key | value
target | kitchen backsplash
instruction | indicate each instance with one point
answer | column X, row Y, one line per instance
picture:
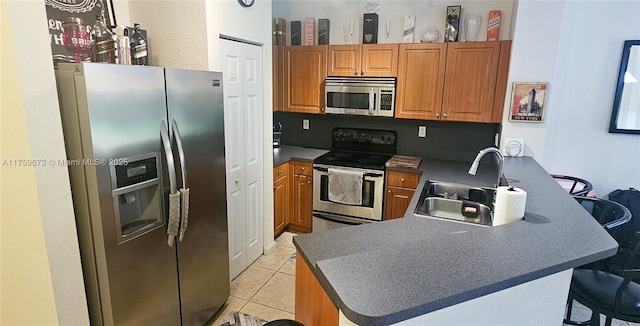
column 458, row 141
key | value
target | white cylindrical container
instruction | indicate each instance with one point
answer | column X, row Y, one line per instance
column 509, row 206
column 124, row 52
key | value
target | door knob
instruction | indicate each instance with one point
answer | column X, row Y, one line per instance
column 237, row 181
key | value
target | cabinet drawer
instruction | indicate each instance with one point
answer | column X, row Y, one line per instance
column 303, row 168
column 280, row 171
column 402, row 179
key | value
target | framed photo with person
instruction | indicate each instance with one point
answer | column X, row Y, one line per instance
column 528, row 102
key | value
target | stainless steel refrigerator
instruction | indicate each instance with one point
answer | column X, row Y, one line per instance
column 145, row 149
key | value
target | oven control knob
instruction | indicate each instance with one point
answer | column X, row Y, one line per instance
column 389, row 138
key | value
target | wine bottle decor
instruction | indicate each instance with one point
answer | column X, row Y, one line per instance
column 452, row 27
column 296, row 32
column 370, row 24
column 103, row 47
column 494, row 25
column 139, row 54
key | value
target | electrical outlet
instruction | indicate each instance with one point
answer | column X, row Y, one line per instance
column 422, row 131
column 305, row 124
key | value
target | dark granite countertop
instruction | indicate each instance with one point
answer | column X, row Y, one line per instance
column 386, row 272
column 286, row 153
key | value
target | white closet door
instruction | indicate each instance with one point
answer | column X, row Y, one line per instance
column 253, row 149
column 242, row 72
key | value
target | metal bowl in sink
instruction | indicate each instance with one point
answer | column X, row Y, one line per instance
column 456, row 202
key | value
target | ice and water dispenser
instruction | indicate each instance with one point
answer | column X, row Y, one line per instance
column 137, row 195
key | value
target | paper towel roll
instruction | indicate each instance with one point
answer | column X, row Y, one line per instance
column 509, row 207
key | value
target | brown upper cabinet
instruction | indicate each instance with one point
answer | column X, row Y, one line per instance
column 453, row 81
column 278, row 78
column 305, row 69
column 365, row 60
column 470, row 81
column 420, row 81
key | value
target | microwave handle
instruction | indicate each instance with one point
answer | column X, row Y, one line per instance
column 372, row 101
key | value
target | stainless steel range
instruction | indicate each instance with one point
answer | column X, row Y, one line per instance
column 348, row 186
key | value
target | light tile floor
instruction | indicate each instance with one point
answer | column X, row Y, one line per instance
column 266, row 289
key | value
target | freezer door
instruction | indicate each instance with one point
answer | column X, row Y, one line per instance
column 195, row 102
column 119, row 111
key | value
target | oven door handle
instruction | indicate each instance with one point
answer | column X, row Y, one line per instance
column 337, row 219
column 372, row 175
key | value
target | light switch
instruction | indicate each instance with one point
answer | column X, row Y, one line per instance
column 422, row 131
column 305, row 124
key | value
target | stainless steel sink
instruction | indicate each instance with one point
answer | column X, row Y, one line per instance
column 456, row 202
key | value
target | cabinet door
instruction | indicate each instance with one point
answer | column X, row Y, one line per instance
column 278, row 78
column 470, row 81
column 280, row 204
column 344, row 60
column 420, row 81
column 397, row 202
column 312, row 304
column 379, row 60
column 303, row 202
column 305, row 69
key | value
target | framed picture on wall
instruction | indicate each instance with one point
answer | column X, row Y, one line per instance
column 528, row 102
column 82, row 15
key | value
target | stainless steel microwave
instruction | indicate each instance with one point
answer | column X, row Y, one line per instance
column 360, row 96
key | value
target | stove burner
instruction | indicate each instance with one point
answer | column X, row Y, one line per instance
column 332, row 158
column 368, row 160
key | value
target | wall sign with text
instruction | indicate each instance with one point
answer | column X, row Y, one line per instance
column 528, row 102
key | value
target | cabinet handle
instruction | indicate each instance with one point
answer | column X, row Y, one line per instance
column 402, row 179
column 437, row 115
column 444, row 115
column 363, row 72
column 274, row 188
column 302, row 168
column 309, row 182
column 237, row 181
column 389, row 191
column 357, row 71
column 279, row 172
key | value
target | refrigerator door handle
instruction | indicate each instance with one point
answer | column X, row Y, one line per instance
column 176, row 134
column 174, row 196
column 184, row 191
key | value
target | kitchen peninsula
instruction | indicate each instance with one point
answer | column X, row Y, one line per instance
column 417, row 270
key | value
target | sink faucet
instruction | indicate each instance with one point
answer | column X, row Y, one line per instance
column 474, row 166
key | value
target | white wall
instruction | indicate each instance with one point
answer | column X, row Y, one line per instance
column 37, row 202
column 577, row 50
column 428, row 14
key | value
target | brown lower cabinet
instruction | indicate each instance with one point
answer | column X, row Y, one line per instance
column 302, row 197
column 400, row 188
column 292, row 197
column 313, row 306
column 281, row 198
